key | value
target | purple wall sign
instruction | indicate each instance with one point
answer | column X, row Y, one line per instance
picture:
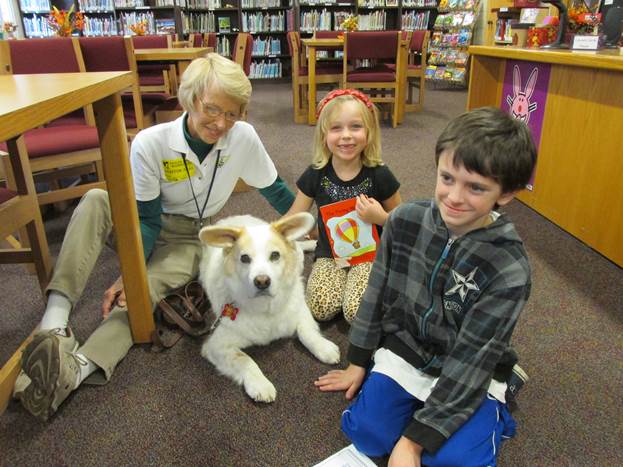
column 524, row 95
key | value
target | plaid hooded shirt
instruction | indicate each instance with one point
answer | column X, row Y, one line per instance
column 448, row 307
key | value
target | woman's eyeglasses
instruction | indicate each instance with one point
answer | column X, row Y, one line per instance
column 214, row 111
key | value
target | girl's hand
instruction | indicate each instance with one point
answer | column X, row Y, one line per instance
column 370, row 210
column 406, row 453
column 349, row 380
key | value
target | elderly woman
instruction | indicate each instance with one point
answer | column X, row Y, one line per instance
column 184, row 172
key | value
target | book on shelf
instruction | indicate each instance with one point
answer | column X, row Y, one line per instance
column 352, row 240
column 224, row 24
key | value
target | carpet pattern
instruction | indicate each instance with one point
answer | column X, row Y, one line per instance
column 174, row 409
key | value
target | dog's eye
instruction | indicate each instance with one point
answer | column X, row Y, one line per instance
column 246, row 259
column 274, row 256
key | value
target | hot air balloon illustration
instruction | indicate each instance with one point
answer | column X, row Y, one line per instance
column 348, row 230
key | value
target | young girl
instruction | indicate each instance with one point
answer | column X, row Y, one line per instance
column 346, row 164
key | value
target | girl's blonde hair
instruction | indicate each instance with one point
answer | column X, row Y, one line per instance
column 218, row 74
column 371, row 156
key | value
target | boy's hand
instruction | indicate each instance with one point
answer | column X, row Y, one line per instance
column 349, row 380
column 115, row 295
column 370, row 210
column 406, row 453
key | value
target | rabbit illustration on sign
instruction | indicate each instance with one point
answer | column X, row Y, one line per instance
column 520, row 105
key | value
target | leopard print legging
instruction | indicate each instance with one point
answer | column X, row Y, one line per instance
column 331, row 289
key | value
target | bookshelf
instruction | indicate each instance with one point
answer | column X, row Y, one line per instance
column 452, row 34
column 268, row 21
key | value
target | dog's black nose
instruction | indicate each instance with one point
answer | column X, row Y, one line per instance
column 262, row 282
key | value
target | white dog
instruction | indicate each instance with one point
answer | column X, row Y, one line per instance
column 252, row 274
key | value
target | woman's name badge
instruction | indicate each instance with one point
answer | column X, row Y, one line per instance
column 174, row 169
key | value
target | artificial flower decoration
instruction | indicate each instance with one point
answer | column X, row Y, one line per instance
column 139, row 28
column 582, row 20
column 9, row 27
column 63, row 23
column 350, row 24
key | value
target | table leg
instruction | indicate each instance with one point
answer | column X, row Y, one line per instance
column 114, row 147
column 311, row 85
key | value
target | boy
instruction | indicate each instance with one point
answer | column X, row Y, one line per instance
column 449, row 281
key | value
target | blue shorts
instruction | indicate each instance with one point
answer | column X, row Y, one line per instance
column 377, row 417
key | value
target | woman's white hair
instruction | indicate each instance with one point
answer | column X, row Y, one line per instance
column 217, row 74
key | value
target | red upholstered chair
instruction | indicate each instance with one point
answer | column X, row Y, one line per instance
column 19, row 211
column 61, row 149
column 116, row 53
column 384, row 84
column 325, row 74
column 156, row 80
column 195, row 40
column 243, row 48
column 416, row 69
column 33, row 56
column 209, row 40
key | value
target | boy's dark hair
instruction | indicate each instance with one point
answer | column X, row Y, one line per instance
column 491, row 143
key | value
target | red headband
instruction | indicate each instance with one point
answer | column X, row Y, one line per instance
column 344, row 92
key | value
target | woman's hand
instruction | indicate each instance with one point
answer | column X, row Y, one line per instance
column 348, row 380
column 370, row 210
column 115, row 295
column 406, row 453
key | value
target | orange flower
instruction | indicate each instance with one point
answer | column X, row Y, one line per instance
column 139, row 28
column 65, row 22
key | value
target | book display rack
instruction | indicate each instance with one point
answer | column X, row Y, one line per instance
column 452, row 34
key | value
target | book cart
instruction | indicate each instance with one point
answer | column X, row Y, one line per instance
column 452, row 34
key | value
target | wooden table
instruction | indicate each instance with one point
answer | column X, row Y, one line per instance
column 181, row 55
column 28, row 101
column 312, row 44
column 577, row 179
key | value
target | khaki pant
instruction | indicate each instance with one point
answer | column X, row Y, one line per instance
column 173, row 262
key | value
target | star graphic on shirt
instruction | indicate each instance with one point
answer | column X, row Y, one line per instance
column 463, row 284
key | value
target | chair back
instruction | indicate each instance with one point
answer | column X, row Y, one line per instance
column 49, row 55
column 209, row 40
column 106, row 53
column 195, row 40
column 243, row 48
column 372, row 44
column 114, row 53
column 153, row 41
column 294, row 46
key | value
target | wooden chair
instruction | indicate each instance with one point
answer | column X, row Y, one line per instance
column 416, row 69
column 116, row 53
column 159, row 81
column 66, row 147
column 195, row 40
column 19, row 210
column 243, row 48
column 210, row 40
column 325, row 74
column 380, row 81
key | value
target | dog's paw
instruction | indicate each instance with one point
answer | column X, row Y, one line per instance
column 327, row 352
column 260, row 389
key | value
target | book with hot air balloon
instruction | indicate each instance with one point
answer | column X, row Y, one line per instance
column 352, row 240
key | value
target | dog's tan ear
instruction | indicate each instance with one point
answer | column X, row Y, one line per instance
column 219, row 236
column 295, row 226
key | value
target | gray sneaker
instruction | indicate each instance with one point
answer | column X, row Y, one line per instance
column 53, row 368
column 21, row 383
